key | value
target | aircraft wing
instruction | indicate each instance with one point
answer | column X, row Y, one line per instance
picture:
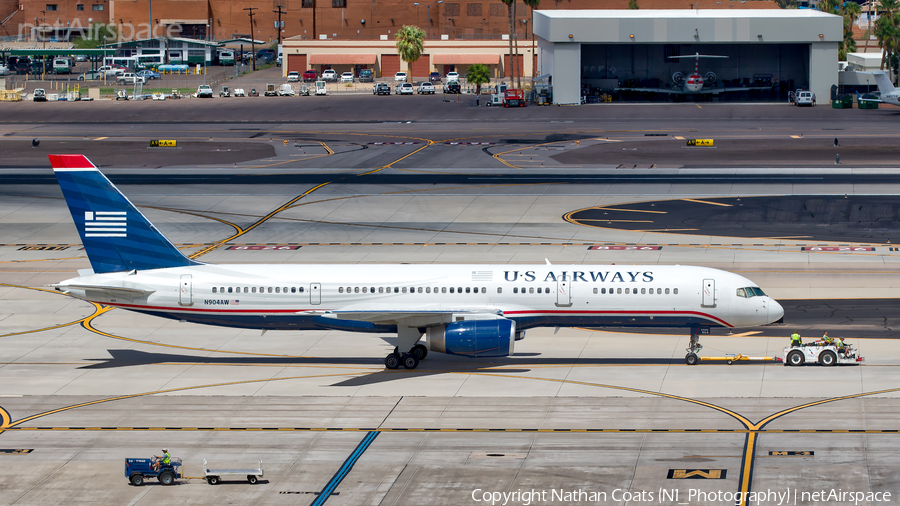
column 114, row 291
column 704, row 91
column 411, row 318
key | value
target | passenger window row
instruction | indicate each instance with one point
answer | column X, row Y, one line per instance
column 411, row 289
column 644, row 291
column 253, row 289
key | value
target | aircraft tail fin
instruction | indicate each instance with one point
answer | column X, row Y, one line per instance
column 116, row 236
column 884, row 84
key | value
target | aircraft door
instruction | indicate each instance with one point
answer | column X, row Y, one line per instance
column 185, row 292
column 709, row 293
column 563, row 293
column 315, row 293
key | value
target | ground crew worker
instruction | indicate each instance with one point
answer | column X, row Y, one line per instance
column 795, row 340
column 839, row 343
column 164, row 459
column 826, row 339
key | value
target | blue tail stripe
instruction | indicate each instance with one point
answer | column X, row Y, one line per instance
column 114, row 246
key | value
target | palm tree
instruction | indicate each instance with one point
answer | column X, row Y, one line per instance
column 511, row 13
column 478, row 74
column 788, row 4
column 409, row 45
column 532, row 4
column 632, row 4
column 852, row 11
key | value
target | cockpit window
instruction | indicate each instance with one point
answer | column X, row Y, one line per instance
column 750, row 291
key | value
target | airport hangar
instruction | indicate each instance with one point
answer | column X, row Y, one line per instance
column 601, row 48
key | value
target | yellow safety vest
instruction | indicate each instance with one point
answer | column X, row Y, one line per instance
column 795, row 337
column 167, row 458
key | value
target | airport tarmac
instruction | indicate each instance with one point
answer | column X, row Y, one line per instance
column 604, row 412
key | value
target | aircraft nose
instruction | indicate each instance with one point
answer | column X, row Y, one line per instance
column 776, row 312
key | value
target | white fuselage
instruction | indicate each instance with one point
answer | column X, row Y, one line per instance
column 372, row 297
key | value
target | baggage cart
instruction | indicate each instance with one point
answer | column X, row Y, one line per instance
column 215, row 476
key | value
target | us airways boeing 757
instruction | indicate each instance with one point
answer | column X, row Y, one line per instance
column 472, row 310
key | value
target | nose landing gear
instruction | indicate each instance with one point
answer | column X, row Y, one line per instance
column 692, row 358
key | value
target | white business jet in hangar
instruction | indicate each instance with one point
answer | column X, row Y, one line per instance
column 695, row 84
column 471, row 310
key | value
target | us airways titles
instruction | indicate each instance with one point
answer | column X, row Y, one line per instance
column 586, row 276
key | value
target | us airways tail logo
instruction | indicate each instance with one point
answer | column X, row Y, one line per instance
column 105, row 224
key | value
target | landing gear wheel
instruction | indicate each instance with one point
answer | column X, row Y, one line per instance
column 137, row 480
column 691, row 359
column 827, row 358
column 409, row 361
column 795, row 358
column 252, row 479
column 392, row 361
column 420, row 351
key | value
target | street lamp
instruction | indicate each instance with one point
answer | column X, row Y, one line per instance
column 428, row 13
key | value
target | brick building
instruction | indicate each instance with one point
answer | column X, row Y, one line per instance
column 333, row 19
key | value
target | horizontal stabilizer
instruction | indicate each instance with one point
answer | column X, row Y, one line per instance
column 115, row 291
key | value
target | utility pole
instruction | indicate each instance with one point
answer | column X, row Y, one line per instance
column 252, row 38
column 278, row 25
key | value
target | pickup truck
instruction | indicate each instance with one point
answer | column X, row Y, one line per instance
column 110, row 70
column 204, row 91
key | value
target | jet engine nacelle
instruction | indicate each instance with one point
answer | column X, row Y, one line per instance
column 474, row 338
column 710, row 78
column 677, row 78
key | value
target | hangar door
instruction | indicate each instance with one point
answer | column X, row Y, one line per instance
column 296, row 63
column 390, row 64
column 520, row 66
column 421, row 68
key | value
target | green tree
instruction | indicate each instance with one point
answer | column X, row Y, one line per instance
column 633, row 5
column 410, row 45
column 511, row 14
column 852, row 12
column 95, row 35
column 788, row 4
column 532, row 4
column 478, row 74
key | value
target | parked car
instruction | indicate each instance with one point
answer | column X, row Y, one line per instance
column 435, row 77
column 381, row 89
column 91, row 76
column 329, row 75
column 347, row 77
column 310, row 76
column 293, row 76
column 81, row 58
column 39, row 95
column 204, row 91
column 451, row 87
column 266, row 55
column 129, row 78
column 148, row 74
column 404, row 89
column 4, row 70
column 366, row 76
column 400, row 76
column 452, row 77
column 425, row 88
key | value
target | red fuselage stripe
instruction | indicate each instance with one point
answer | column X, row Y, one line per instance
column 506, row 313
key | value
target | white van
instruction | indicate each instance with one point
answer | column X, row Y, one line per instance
column 62, row 66
column 805, row 98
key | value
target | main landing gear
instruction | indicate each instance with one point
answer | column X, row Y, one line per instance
column 691, row 358
column 407, row 338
